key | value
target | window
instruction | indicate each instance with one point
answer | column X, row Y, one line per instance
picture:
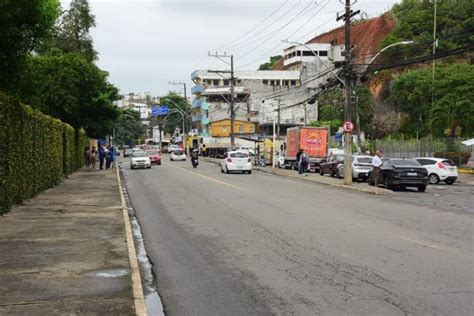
column 265, row 81
column 293, row 82
column 425, row 162
column 252, row 129
column 308, row 53
column 286, row 82
column 323, row 53
column 226, row 82
column 215, row 82
column 272, row 82
column 241, row 129
column 239, row 155
column 298, row 53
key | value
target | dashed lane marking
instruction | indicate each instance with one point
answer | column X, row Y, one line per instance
column 425, row 244
column 206, row 177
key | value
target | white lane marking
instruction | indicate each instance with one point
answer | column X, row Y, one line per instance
column 422, row 243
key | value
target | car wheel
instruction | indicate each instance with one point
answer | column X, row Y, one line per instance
column 250, row 171
column 131, row 167
column 421, row 188
column 449, row 181
column 434, row 178
column 337, row 174
column 227, row 170
column 321, row 172
column 222, row 170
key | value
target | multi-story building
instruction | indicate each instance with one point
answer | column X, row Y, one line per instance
column 265, row 96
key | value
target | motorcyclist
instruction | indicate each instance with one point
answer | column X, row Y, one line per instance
column 194, row 156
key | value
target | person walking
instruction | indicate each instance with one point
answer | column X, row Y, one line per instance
column 93, row 156
column 87, row 156
column 376, row 164
column 298, row 156
column 109, row 157
column 102, row 156
column 304, row 161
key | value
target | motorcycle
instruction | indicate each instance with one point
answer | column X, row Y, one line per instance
column 194, row 162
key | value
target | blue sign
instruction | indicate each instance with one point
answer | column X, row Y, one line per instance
column 160, row 110
column 338, row 136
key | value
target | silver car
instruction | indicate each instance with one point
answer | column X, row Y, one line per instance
column 361, row 166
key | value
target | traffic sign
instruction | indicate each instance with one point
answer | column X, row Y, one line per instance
column 160, row 110
column 348, row 126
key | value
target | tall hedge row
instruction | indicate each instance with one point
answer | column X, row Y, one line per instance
column 36, row 151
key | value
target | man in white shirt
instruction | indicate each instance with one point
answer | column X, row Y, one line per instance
column 376, row 164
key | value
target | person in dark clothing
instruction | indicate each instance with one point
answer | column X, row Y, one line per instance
column 298, row 155
column 109, row 157
column 102, row 155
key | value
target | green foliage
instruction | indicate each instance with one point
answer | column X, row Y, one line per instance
column 129, row 127
column 333, row 124
column 73, row 31
column 458, row 157
column 269, row 65
column 175, row 120
column 455, row 24
column 36, row 151
column 72, row 89
column 453, row 95
column 24, row 24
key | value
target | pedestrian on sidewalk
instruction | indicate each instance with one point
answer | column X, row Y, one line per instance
column 298, row 156
column 87, row 156
column 110, row 157
column 93, row 156
column 304, row 161
column 102, row 156
column 376, row 164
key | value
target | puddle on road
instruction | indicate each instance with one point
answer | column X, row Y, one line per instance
column 110, row 273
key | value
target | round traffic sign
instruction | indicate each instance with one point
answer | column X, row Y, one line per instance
column 348, row 126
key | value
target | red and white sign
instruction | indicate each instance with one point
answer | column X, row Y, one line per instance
column 348, row 126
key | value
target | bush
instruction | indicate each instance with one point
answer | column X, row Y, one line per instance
column 458, row 157
column 36, row 152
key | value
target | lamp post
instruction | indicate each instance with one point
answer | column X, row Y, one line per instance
column 382, row 50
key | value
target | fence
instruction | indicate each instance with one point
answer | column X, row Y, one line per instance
column 36, row 152
column 451, row 148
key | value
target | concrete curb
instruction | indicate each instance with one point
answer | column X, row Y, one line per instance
column 378, row 191
column 138, row 297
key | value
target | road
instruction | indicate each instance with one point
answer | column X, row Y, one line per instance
column 263, row 244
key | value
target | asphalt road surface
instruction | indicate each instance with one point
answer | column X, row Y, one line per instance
column 263, row 244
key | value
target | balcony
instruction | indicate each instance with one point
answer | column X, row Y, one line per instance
column 196, row 103
column 197, row 89
column 196, row 118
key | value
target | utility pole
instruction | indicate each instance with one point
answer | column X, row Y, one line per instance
column 279, row 117
column 184, row 87
column 348, row 78
column 435, row 43
column 232, row 87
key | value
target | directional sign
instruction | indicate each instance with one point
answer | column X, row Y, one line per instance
column 348, row 126
column 160, row 110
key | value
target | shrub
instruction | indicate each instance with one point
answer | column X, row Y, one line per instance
column 36, row 152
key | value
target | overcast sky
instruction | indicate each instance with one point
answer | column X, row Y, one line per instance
column 143, row 44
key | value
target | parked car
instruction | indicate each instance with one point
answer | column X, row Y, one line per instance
column 177, row 155
column 127, row 152
column 154, row 157
column 401, row 172
column 361, row 166
column 172, row 148
column 236, row 161
column 439, row 169
column 140, row 159
column 330, row 165
column 249, row 150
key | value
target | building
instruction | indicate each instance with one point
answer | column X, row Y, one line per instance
column 221, row 128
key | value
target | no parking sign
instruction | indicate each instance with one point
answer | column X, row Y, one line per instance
column 348, row 126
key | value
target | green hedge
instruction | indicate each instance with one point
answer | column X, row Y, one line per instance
column 36, row 152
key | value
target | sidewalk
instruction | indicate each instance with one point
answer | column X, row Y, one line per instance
column 65, row 251
column 316, row 178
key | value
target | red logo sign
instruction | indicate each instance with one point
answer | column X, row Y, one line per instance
column 314, row 139
column 348, row 126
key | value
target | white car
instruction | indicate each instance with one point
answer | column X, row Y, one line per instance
column 236, row 161
column 140, row 159
column 361, row 166
column 248, row 150
column 178, row 155
column 439, row 169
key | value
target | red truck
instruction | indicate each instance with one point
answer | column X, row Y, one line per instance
column 314, row 141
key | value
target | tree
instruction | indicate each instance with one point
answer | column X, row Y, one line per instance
column 128, row 127
column 24, row 25
column 270, row 64
column 175, row 120
column 72, row 89
column 73, row 31
column 453, row 97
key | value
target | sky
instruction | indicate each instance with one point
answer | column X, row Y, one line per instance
column 144, row 44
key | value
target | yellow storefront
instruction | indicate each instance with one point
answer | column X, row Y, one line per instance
column 222, row 128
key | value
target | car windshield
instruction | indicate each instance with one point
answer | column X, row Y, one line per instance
column 138, row 154
column 338, row 157
column 239, row 155
column 364, row 160
column 405, row 162
column 448, row 163
column 151, row 152
column 178, row 152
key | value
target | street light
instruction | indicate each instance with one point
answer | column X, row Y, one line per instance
column 384, row 49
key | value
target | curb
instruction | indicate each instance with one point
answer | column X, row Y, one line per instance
column 138, row 297
column 466, row 171
column 379, row 191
